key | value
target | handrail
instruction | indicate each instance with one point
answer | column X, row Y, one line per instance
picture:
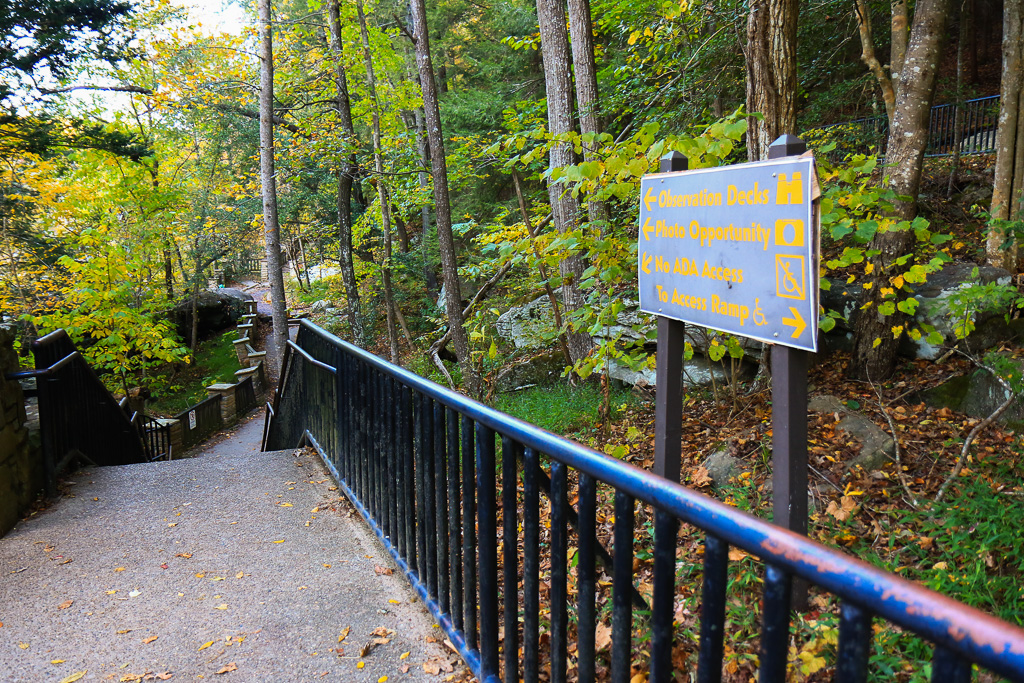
column 323, row 366
column 44, row 372
column 367, row 461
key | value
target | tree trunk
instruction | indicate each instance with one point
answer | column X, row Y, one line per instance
column 1009, row 171
column 442, row 207
column 554, row 43
column 771, row 73
column 345, row 177
column 268, row 183
column 382, row 191
column 958, row 116
column 429, row 272
column 867, row 45
column 875, row 344
column 580, row 28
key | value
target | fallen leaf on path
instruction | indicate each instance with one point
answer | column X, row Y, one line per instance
column 281, row 541
column 434, row 665
column 221, row 606
column 395, row 602
column 204, row 646
column 239, row 575
column 285, row 505
column 111, row 592
column 227, row 667
column 118, row 569
column 386, row 571
column 23, row 646
column 404, row 668
column 165, row 676
column 187, row 556
column 344, row 634
column 403, row 655
column 56, row 661
column 134, row 594
column 127, row 630
column 382, row 679
column 149, row 640
column 173, row 524
column 360, row 665
column 65, row 604
column 382, row 632
column 163, row 566
column 74, row 677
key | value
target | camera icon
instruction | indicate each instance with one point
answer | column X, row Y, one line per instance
column 789, row 232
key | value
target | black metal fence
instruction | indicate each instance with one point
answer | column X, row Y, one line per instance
column 199, row 421
column 423, row 466
column 974, row 132
column 155, row 437
column 245, row 396
column 78, row 417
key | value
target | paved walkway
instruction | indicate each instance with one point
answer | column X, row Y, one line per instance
column 233, row 565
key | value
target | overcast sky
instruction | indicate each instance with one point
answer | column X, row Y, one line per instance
column 216, row 16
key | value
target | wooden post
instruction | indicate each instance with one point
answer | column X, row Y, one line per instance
column 789, row 419
column 669, row 381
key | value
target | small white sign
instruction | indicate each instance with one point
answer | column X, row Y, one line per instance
column 191, row 419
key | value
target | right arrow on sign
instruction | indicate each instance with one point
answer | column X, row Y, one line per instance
column 797, row 321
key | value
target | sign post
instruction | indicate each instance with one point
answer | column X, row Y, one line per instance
column 735, row 249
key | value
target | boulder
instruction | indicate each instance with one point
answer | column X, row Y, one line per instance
column 320, row 306
column 541, row 369
column 876, row 448
column 933, row 310
column 722, row 465
column 217, row 310
column 978, row 395
column 532, row 325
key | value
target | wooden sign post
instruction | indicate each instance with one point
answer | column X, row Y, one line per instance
column 735, row 249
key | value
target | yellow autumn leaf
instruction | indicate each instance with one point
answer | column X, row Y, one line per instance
column 147, row 641
column 239, row 575
column 281, row 541
column 403, row 655
column 205, row 645
column 897, row 281
column 344, row 634
column 869, row 268
column 56, row 661
column 119, row 569
column 382, row 679
column 221, row 606
column 74, row 677
column 360, row 665
column 23, row 646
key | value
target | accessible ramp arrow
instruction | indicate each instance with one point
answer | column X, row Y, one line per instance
column 797, row 322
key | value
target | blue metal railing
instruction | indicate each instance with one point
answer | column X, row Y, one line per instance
column 421, row 465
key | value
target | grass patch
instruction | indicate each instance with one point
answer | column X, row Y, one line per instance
column 561, row 408
column 214, row 361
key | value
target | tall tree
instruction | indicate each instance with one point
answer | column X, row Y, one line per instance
column 582, row 33
column 875, row 345
column 442, row 205
column 268, row 185
column 1008, row 189
column 771, row 73
column 346, row 174
column 554, row 42
column 898, row 36
column 382, row 188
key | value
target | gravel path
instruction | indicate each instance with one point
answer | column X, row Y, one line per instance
column 235, row 561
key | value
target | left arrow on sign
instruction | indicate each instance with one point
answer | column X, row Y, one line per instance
column 797, row 322
column 644, row 262
column 647, row 230
column 650, row 197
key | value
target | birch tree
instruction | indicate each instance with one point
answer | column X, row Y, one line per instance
column 268, row 184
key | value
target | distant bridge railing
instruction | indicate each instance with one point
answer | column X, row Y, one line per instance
column 421, row 465
column 975, row 132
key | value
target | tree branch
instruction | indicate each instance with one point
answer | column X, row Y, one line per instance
column 105, row 88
